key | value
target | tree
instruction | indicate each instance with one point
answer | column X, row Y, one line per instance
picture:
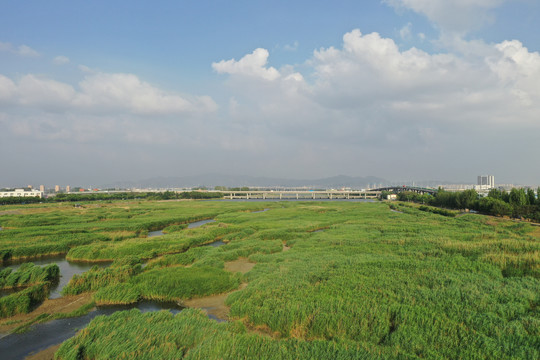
column 518, row 197
column 495, row 194
column 467, row 198
column 531, row 197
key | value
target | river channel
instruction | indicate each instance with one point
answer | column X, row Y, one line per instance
column 42, row 336
column 67, row 270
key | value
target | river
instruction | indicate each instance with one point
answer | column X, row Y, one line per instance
column 42, row 336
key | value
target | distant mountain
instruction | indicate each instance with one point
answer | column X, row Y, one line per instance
column 212, row 180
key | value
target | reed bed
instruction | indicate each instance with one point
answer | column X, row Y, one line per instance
column 372, row 284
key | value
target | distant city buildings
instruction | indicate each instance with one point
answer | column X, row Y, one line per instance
column 485, row 182
column 68, row 188
column 42, row 188
column 57, row 188
column 21, row 193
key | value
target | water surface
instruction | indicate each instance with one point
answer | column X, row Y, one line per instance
column 67, row 270
column 42, row 336
column 196, row 224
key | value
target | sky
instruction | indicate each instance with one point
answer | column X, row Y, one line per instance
column 93, row 92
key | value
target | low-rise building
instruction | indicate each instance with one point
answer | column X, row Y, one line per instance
column 21, row 193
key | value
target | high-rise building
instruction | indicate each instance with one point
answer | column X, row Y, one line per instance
column 57, row 188
column 486, row 181
column 68, row 188
column 42, row 188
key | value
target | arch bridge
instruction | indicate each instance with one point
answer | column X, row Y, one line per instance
column 398, row 189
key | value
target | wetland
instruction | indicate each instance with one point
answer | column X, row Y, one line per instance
column 300, row 279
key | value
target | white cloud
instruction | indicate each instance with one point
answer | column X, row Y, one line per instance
column 24, row 50
column 85, row 69
column 61, row 60
column 370, row 92
column 21, row 50
column 7, row 88
column 452, row 15
column 518, row 70
column 405, row 32
column 45, row 93
column 101, row 92
column 365, row 104
column 291, row 47
column 252, row 65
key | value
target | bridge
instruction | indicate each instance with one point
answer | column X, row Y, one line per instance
column 397, row 189
column 301, row 195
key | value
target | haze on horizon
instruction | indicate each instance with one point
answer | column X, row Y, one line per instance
column 98, row 92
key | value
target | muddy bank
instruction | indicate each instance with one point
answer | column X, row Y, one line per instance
column 242, row 265
column 63, row 305
column 47, row 354
column 214, row 305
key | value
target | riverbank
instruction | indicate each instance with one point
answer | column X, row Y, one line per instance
column 46, row 311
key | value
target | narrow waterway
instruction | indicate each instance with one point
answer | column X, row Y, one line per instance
column 192, row 225
column 260, row 211
column 67, row 270
column 155, row 233
column 196, row 224
column 42, row 336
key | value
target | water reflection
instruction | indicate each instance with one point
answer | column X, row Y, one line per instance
column 196, row 224
column 42, row 336
column 155, row 233
column 67, row 270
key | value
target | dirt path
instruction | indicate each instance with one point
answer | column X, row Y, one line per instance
column 61, row 305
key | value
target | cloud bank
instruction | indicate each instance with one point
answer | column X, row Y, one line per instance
column 365, row 107
column 452, row 15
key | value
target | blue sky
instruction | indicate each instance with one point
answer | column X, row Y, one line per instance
column 297, row 89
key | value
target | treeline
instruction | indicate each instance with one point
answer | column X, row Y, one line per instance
column 166, row 195
column 517, row 203
column 20, row 200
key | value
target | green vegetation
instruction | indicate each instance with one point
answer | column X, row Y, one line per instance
column 23, row 301
column 28, row 274
column 20, row 200
column 45, row 229
column 371, row 284
column 517, row 203
column 190, row 335
column 36, row 282
column 97, row 277
column 439, row 211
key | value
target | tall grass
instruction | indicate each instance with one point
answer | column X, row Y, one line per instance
column 373, row 283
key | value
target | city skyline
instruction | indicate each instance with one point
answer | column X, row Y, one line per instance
column 399, row 89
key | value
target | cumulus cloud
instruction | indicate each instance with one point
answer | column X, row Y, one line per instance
column 359, row 105
column 21, row 50
column 454, row 15
column 127, row 91
column 251, row 65
column 371, row 91
column 100, row 92
column 61, row 60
